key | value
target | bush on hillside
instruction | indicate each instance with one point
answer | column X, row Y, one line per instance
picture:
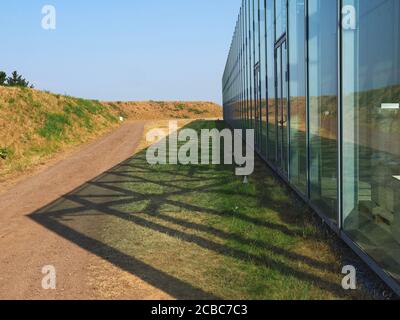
column 3, row 78
column 15, row 80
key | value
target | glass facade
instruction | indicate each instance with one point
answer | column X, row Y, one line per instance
column 271, row 116
column 297, row 93
column 280, row 17
column 371, row 130
column 281, row 106
column 257, row 75
column 251, row 61
column 263, row 77
column 323, row 104
column 319, row 81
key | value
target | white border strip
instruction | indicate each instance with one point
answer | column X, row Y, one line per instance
column 390, row 106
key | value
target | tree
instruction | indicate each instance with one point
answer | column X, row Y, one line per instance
column 3, row 78
column 17, row 80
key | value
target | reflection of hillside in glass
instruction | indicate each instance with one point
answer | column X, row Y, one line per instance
column 371, row 143
column 326, row 117
column 370, row 102
column 377, row 128
column 298, row 143
column 371, row 132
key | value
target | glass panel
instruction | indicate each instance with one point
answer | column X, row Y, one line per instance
column 240, row 69
column 323, row 105
column 257, row 93
column 279, row 102
column 284, row 113
column 246, row 70
column 282, row 107
column 233, row 79
column 237, row 77
column 263, row 75
column 243, row 36
column 271, row 81
column 371, row 133
column 256, row 32
column 280, row 18
column 297, row 90
column 251, row 64
column 257, row 104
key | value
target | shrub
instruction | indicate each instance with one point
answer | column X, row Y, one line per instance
column 3, row 78
column 16, row 80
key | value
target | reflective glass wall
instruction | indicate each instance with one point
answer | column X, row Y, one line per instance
column 323, row 105
column 263, row 76
column 251, row 61
column 280, row 17
column 271, row 110
column 257, row 73
column 319, row 81
column 371, row 129
column 297, row 93
column 245, row 62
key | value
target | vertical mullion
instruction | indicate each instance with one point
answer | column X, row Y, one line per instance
column 339, row 119
column 287, row 77
column 307, row 76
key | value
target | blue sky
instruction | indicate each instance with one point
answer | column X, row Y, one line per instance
column 121, row 49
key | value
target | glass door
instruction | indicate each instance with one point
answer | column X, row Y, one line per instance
column 282, row 114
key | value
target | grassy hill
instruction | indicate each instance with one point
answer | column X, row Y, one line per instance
column 34, row 125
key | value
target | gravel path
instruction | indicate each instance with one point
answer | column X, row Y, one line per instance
column 26, row 246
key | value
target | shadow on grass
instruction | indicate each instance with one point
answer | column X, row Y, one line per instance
column 138, row 194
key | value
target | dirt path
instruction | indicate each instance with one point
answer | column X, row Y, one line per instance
column 26, row 246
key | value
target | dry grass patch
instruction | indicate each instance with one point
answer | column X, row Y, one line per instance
column 152, row 110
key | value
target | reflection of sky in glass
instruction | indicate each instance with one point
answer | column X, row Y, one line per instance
column 270, row 48
column 323, row 47
column 378, row 43
column 297, row 50
column 280, row 17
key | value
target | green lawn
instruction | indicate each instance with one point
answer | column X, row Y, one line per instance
column 200, row 232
